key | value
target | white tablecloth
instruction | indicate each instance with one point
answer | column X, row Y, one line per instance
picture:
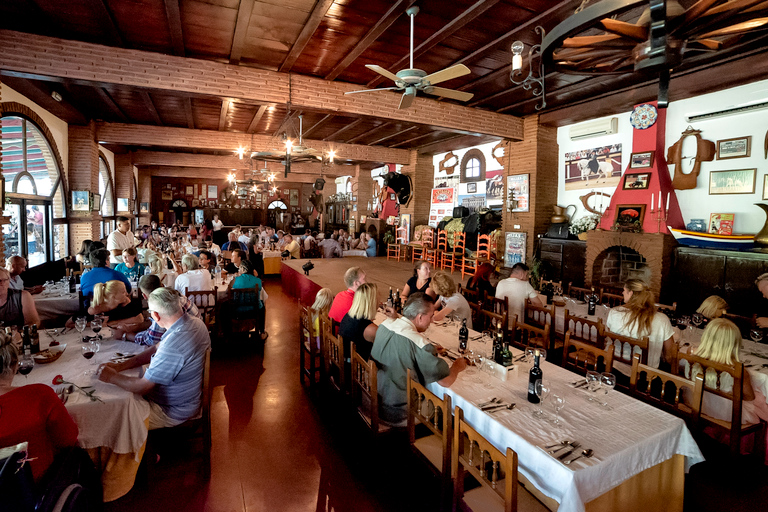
column 117, row 422
column 626, row 440
column 53, row 305
column 355, row 252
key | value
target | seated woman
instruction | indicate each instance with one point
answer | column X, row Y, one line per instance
column 158, row 266
column 451, row 301
column 713, row 307
column 100, row 273
column 481, row 280
column 638, row 318
column 419, row 282
column 82, row 255
column 192, row 232
column 357, row 325
column 319, row 309
column 17, row 307
column 32, row 413
column 249, row 307
column 130, row 268
column 192, row 276
column 370, row 249
column 112, row 300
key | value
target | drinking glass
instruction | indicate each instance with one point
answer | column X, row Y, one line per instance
column 80, row 325
column 542, row 390
column 96, row 325
column 89, row 350
column 472, row 367
column 697, row 319
column 594, row 381
column 480, row 360
column 487, row 339
column 756, row 335
column 608, row 382
column 26, row 363
column 558, row 402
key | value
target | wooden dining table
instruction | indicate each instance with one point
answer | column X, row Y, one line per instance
column 641, row 454
column 113, row 428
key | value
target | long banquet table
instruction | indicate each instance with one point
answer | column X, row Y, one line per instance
column 640, row 453
column 113, row 430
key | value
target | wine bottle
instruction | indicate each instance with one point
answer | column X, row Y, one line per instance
column 390, row 299
column 498, row 346
column 398, row 301
column 534, row 375
column 506, row 355
column 463, row 337
column 34, row 337
column 26, row 340
column 592, row 303
column 72, row 287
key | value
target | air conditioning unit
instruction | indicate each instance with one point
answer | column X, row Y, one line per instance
column 594, row 128
column 726, row 112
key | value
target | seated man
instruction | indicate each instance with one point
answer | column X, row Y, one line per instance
column 17, row 308
column 292, row 246
column 399, row 347
column 233, row 267
column 353, row 278
column 233, row 243
column 516, row 289
column 370, row 249
column 100, row 273
column 330, row 247
column 193, row 277
column 16, row 265
column 151, row 332
column 173, row 381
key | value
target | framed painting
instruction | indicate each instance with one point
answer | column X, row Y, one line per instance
column 637, row 181
column 642, row 160
column 167, row 195
column 96, row 202
column 81, row 200
column 122, row 204
column 765, row 187
column 514, row 249
column 189, row 190
column 629, row 217
column 739, row 147
column 741, row 181
column 144, row 208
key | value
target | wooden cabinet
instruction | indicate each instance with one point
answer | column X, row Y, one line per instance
column 563, row 260
column 699, row 273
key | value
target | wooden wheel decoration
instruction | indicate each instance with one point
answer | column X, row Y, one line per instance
column 705, row 152
column 449, row 169
column 636, row 36
column 503, row 147
column 585, row 201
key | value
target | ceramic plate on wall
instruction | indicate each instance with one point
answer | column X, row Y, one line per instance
column 643, row 117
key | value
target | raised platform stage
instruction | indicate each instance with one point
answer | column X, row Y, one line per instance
column 329, row 273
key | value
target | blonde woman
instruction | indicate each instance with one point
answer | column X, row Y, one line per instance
column 451, row 301
column 320, row 308
column 357, row 325
column 713, row 307
column 112, row 299
column 157, row 265
column 638, row 318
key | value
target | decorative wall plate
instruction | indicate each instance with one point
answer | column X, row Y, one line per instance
column 643, row 116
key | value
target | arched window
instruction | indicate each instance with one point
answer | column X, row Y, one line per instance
column 277, row 204
column 35, row 192
column 473, row 166
column 106, row 197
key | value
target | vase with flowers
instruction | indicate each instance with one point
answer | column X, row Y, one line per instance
column 580, row 226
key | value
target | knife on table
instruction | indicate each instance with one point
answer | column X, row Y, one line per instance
column 569, row 452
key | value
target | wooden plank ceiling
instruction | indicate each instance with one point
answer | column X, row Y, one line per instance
column 332, row 39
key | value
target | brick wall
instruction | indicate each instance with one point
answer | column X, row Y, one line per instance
column 83, row 175
column 124, row 182
column 421, row 171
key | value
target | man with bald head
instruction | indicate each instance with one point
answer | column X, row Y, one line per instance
column 15, row 266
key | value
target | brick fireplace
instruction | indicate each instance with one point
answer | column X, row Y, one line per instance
column 613, row 256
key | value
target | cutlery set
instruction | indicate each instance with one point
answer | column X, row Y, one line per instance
column 570, row 447
column 495, row 405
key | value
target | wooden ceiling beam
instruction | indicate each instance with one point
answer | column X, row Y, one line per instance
column 101, row 65
column 408, row 141
column 113, row 106
column 151, row 107
column 107, row 21
column 41, row 95
column 370, row 37
column 317, row 124
column 244, row 12
column 343, row 129
column 367, row 132
column 256, row 118
column 223, row 115
column 213, row 140
column 213, row 173
column 229, row 163
column 383, row 139
column 173, row 16
column 441, row 35
column 313, row 21
column 188, row 112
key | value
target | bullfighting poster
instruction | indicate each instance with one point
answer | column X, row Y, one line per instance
column 518, row 189
column 514, row 249
column 494, row 188
column 443, row 195
column 590, row 168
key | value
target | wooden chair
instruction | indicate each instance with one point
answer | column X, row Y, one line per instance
column 434, row 254
column 418, row 249
column 490, row 320
column 495, row 471
column 672, row 388
column 673, row 307
column 310, row 355
column 557, row 286
column 585, row 355
column 577, row 292
column 618, row 343
column 541, row 317
column 500, row 306
column 470, row 264
column 472, row 296
column 399, row 248
column 719, row 373
column 242, row 311
column 611, row 299
column 206, row 304
column 365, row 395
column 333, row 360
column 454, row 258
column 523, row 336
column 434, row 448
column 584, row 330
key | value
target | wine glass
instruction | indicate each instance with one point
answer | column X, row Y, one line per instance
column 26, row 363
column 594, row 381
column 608, row 382
column 756, row 335
column 697, row 319
column 542, row 390
column 472, row 367
column 558, row 402
column 80, row 324
column 487, row 338
column 96, row 325
column 480, row 360
column 89, row 350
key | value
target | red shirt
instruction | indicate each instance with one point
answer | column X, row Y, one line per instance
column 34, row 414
column 341, row 304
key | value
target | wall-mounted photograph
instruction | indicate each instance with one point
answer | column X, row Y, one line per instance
column 629, row 217
column 167, row 195
column 144, row 208
column 96, row 206
column 81, row 201
column 122, row 204
column 471, row 188
column 637, row 181
column 741, row 181
column 589, row 168
column 642, row 160
column 189, row 190
column 765, row 187
column 739, row 147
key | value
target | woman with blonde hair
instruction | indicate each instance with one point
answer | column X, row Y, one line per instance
column 357, row 325
column 713, row 307
column 157, row 266
column 451, row 302
column 112, row 299
column 637, row 318
column 320, row 308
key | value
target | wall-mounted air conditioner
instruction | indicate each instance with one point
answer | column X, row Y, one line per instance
column 594, row 128
column 726, row 112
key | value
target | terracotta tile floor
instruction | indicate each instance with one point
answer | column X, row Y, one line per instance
column 276, row 449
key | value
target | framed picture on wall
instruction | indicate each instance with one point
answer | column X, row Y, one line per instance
column 629, row 217
column 80, row 200
column 765, row 187
column 637, row 181
column 739, row 147
column 144, row 208
column 96, row 203
column 471, row 188
column 294, row 197
column 642, row 160
column 741, row 181
column 122, row 204
column 213, row 192
column 167, row 195
column 405, row 222
column 189, row 190
column 514, row 249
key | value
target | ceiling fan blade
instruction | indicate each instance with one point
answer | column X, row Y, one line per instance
column 406, row 100
column 450, row 93
column 606, row 40
column 622, row 28
column 738, row 28
column 732, row 5
column 710, row 44
column 697, row 10
column 373, row 90
column 383, row 72
column 587, row 53
column 447, row 74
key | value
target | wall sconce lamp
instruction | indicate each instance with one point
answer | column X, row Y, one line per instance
column 531, row 82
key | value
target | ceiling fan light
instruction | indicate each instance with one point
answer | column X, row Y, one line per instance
column 331, row 154
column 517, row 62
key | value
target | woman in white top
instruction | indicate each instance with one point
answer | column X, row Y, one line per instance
column 638, row 318
column 193, row 277
column 157, row 265
column 453, row 303
column 217, row 224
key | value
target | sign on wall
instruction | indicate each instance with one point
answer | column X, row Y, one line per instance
column 518, row 189
column 494, row 188
column 596, row 167
column 443, row 196
column 514, row 249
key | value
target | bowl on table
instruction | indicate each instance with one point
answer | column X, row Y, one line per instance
column 50, row 354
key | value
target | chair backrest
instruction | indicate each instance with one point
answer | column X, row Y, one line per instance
column 581, row 357
column 625, row 346
column 205, row 302
column 539, row 316
column 524, row 335
column 459, row 241
column 489, row 320
column 472, row 296
column 365, row 384
column 442, row 240
column 670, row 397
column 611, row 299
column 557, row 286
column 473, row 454
column 333, row 357
column 585, row 330
column 401, row 235
column 305, row 326
column 577, row 292
column 483, row 246
column 244, row 304
column 426, row 408
column 427, row 238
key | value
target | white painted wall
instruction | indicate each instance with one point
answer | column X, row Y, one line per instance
column 696, row 203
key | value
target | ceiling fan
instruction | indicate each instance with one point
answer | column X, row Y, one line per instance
column 594, row 42
column 411, row 80
column 294, row 153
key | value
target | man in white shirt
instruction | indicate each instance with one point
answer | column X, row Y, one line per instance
column 195, row 278
column 516, row 289
column 309, row 240
column 120, row 240
column 245, row 237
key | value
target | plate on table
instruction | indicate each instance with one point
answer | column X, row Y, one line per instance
column 50, row 354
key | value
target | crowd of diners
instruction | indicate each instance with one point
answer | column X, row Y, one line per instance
column 397, row 344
